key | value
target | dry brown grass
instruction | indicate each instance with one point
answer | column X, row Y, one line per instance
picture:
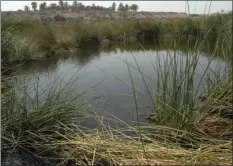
column 218, row 127
column 219, row 104
column 97, row 149
column 219, row 97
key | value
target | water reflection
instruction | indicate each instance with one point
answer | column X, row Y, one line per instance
column 84, row 55
column 42, row 65
column 101, row 72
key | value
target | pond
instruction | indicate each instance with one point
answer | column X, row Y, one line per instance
column 104, row 76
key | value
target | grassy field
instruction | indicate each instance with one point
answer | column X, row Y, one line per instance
column 181, row 133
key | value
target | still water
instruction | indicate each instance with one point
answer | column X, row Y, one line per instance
column 104, row 76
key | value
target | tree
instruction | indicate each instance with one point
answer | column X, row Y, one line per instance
column 81, row 6
column 66, row 5
column 34, row 5
column 75, row 5
column 93, row 7
column 88, row 7
column 114, row 6
column 43, row 6
column 134, row 7
column 120, row 7
column 70, row 7
column 61, row 4
column 26, row 8
column 126, row 8
column 53, row 6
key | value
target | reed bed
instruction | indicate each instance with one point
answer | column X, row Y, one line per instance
column 218, row 98
column 31, row 113
column 102, row 149
column 218, row 103
column 47, row 38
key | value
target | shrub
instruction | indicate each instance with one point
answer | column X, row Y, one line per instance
column 59, row 17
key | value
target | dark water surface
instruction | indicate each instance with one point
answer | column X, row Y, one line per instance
column 102, row 73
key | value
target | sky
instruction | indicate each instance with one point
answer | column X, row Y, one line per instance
column 197, row 7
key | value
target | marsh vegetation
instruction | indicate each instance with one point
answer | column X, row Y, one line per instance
column 118, row 93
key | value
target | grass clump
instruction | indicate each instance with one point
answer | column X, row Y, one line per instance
column 82, row 33
column 101, row 148
column 218, row 98
column 14, row 48
column 175, row 103
column 31, row 119
column 45, row 39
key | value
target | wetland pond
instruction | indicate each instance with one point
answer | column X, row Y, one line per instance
column 103, row 76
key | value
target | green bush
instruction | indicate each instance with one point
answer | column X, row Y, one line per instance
column 59, row 17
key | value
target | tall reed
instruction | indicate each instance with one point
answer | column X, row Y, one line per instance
column 32, row 114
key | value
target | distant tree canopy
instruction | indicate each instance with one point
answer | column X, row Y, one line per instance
column 43, row 6
column 61, row 4
column 34, row 5
column 120, row 7
column 26, row 8
column 113, row 6
column 76, row 6
column 134, row 7
column 127, row 8
column 53, row 6
column 66, row 6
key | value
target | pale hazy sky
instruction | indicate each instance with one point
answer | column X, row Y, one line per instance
column 167, row 6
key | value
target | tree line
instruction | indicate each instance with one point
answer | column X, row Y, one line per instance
column 76, row 6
